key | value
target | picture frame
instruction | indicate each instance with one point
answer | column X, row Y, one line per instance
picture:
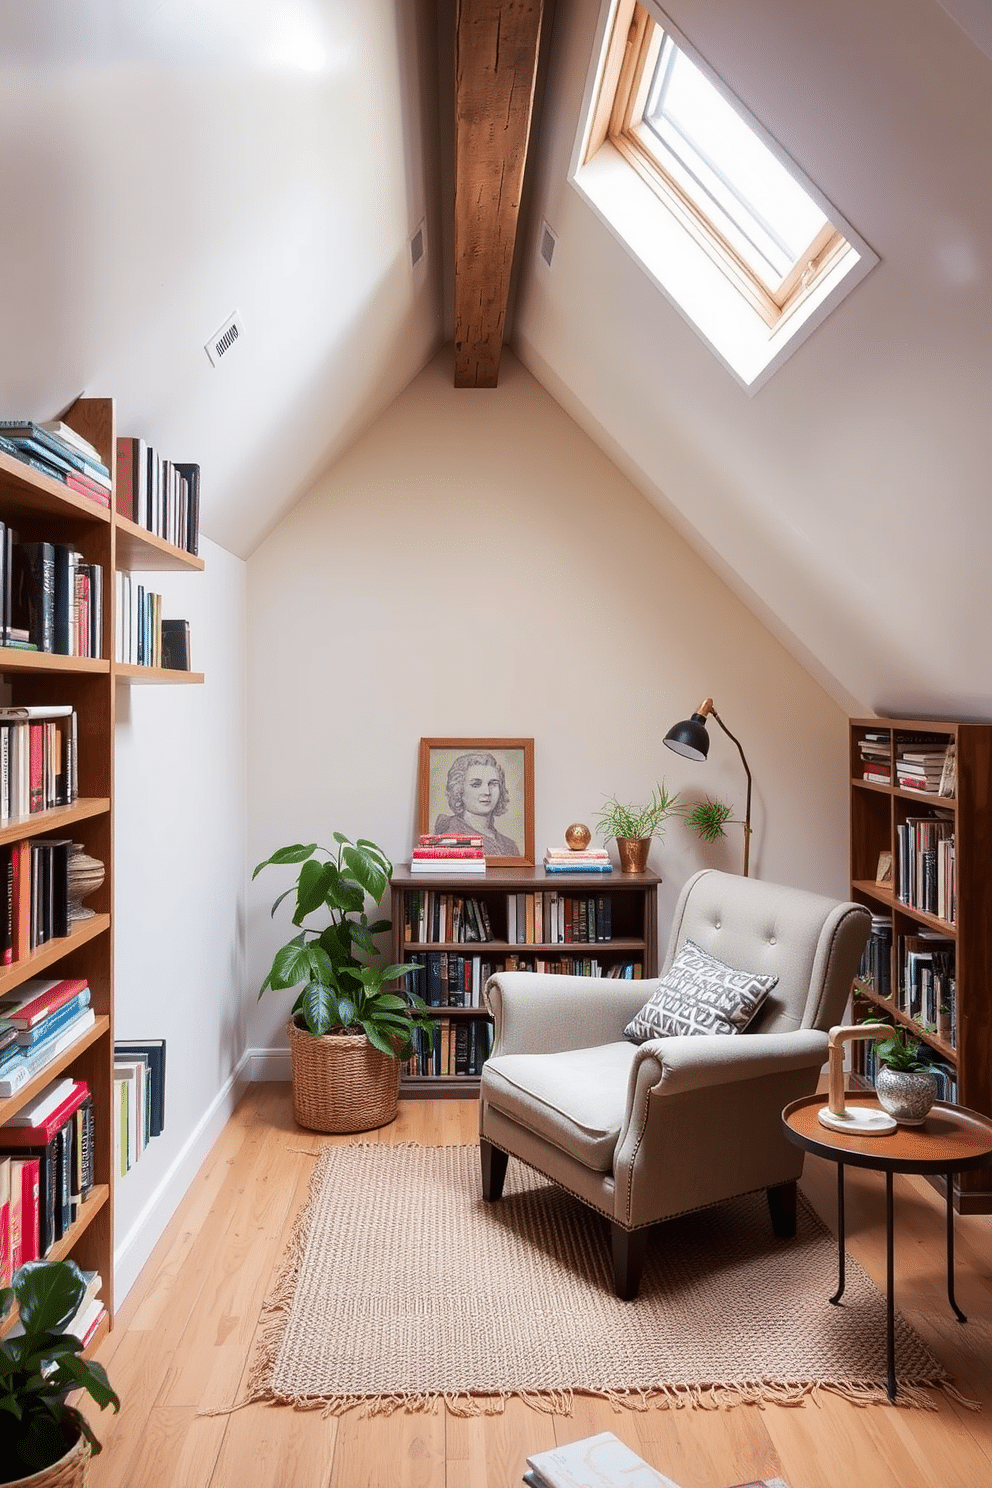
column 503, row 786
column 883, row 873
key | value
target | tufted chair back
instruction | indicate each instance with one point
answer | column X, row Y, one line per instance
column 802, row 938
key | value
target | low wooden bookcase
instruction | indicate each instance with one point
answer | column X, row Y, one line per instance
column 582, row 923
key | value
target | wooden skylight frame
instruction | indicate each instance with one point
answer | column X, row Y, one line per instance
column 618, row 116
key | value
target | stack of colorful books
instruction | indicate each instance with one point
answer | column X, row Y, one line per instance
column 452, row 852
column 46, row 1017
column 59, row 452
column 585, row 860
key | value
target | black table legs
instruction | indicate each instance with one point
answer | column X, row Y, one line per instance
column 890, row 1310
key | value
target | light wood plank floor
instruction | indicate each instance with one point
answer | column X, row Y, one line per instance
column 183, row 1339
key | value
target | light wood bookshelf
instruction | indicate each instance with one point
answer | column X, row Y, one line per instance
column 878, row 810
column 42, row 509
column 633, row 940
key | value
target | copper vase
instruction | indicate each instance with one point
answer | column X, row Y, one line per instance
column 633, row 853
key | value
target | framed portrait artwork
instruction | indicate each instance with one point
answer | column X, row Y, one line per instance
column 482, row 786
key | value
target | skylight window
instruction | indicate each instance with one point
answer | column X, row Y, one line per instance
column 698, row 165
column 730, row 174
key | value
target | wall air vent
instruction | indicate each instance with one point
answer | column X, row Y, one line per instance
column 224, row 340
column 548, row 244
column 418, row 245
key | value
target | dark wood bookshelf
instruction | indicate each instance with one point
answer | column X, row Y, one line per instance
column 878, row 810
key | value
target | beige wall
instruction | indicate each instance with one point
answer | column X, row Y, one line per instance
column 476, row 567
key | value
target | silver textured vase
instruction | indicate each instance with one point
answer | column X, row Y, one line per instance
column 906, row 1094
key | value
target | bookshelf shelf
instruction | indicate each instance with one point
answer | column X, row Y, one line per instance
column 53, row 820
column 934, row 968
column 144, row 552
column 423, row 909
column 45, row 661
column 144, row 675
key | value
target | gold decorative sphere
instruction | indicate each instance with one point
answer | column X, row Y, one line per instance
column 577, row 836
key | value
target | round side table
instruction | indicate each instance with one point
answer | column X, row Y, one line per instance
column 951, row 1138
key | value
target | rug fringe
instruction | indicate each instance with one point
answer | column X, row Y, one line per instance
column 715, row 1396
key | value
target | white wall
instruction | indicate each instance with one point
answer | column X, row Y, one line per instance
column 476, row 567
column 179, row 893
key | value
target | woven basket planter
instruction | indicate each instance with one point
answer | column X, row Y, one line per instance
column 340, row 1082
column 71, row 1471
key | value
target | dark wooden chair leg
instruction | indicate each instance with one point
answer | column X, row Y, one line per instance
column 782, row 1207
column 493, row 1169
column 629, row 1247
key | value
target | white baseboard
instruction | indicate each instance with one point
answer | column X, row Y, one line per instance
column 133, row 1250
column 267, row 1064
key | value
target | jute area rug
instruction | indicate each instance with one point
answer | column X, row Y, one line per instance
column 403, row 1289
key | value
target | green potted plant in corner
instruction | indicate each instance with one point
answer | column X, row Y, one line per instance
column 42, row 1439
column 348, row 1033
column 904, row 1083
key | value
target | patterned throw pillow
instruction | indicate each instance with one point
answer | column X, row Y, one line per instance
column 699, row 994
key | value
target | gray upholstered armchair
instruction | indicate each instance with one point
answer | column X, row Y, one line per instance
column 646, row 1131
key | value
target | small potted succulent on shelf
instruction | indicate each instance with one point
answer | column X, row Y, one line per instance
column 40, row 1365
column 904, row 1083
column 348, row 1033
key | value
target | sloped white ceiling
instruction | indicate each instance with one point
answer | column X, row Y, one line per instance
column 848, row 499
column 166, row 162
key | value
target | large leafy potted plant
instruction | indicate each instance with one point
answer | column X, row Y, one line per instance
column 42, row 1440
column 348, row 1032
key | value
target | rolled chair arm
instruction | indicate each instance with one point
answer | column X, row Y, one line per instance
column 693, row 1062
column 547, row 1014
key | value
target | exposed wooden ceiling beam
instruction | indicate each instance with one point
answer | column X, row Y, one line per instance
column 496, row 52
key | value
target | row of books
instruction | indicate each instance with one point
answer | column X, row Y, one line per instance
column 56, row 450
column 925, row 983
column 51, row 598
column 34, row 895
column 925, row 870
column 451, row 852
column 550, row 918
column 922, row 762
column 161, row 495
column 461, row 1047
column 449, row 978
column 39, row 1020
column 582, row 860
column 876, row 958
column 533, row 917
column 139, row 1098
column 38, row 759
column 435, row 915
column 141, row 636
column 56, row 1130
